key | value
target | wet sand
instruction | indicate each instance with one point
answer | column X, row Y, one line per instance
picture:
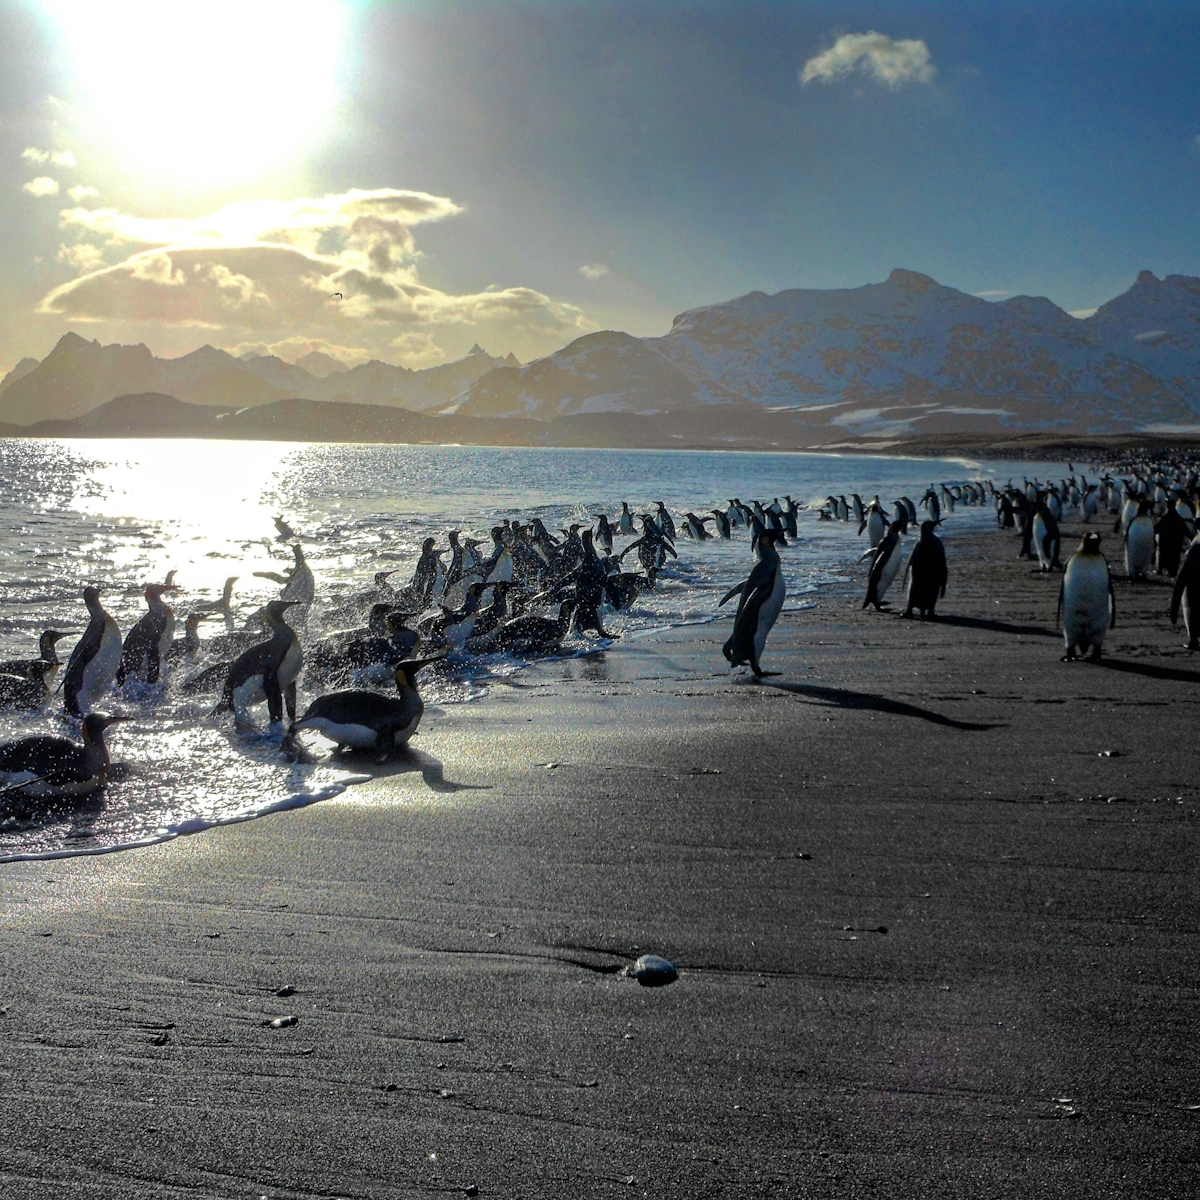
column 932, row 894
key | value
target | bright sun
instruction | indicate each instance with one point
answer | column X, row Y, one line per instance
column 215, row 90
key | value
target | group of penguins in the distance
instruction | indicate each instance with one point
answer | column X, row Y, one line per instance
column 521, row 597
column 1154, row 513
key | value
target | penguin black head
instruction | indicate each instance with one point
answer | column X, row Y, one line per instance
column 381, row 577
column 277, row 608
column 1090, row 544
column 927, row 528
column 53, row 635
column 155, row 591
column 194, row 619
column 94, row 725
column 406, row 672
column 91, row 597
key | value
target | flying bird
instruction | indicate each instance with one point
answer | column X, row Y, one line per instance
column 336, row 296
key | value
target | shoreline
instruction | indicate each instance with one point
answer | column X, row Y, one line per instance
column 931, row 894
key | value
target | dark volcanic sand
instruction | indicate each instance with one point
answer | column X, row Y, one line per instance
column 931, row 941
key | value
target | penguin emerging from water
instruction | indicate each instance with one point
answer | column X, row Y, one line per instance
column 46, row 654
column 188, row 646
column 926, row 572
column 267, row 671
column 149, row 642
column 625, row 520
column 664, row 521
column 1086, row 605
column 1186, row 595
column 762, row 595
column 28, row 689
column 885, row 566
column 224, row 604
column 604, row 534
column 367, row 720
column 53, row 767
column 92, row 667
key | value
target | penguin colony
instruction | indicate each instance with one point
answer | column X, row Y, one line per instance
column 525, row 592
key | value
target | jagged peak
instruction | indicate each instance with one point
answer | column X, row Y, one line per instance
column 477, row 351
column 1147, row 277
column 512, row 360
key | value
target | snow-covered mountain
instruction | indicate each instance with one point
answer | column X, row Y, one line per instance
column 79, row 375
column 900, row 357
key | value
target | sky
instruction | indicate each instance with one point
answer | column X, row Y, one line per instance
column 403, row 180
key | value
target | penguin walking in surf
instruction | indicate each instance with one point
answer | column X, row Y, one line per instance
column 267, row 671
column 148, row 643
column 362, row 720
column 1086, row 605
column 885, row 566
column 762, row 595
column 926, row 573
column 92, row 668
column 46, row 767
column 1186, row 595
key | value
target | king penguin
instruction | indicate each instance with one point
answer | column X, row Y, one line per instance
column 1139, row 542
column 762, row 596
column 367, row 720
column 92, row 667
column 148, row 643
column 267, row 671
column 885, row 566
column 1086, row 605
column 926, row 572
column 53, row 767
column 1186, row 595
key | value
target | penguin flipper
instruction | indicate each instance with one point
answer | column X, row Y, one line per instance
column 734, row 591
column 1112, row 605
column 1061, row 589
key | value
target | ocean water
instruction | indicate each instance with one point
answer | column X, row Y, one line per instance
column 124, row 513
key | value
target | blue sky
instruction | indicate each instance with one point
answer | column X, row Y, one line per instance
column 595, row 165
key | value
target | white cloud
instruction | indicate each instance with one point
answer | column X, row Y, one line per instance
column 43, row 185
column 60, row 158
column 593, row 270
column 83, row 257
column 1082, row 313
column 994, row 294
column 890, row 62
column 265, row 271
column 81, row 192
column 292, row 348
column 416, row 349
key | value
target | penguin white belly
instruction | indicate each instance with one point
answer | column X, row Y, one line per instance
column 164, row 642
column 1039, row 541
column 1191, row 618
column 457, row 635
column 361, row 737
column 891, row 569
column 769, row 612
column 250, row 693
column 292, row 665
column 1085, row 602
column 101, row 672
column 875, row 529
column 36, row 788
column 1139, row 546
column 301, row 587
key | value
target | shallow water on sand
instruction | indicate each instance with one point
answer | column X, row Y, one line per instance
column 124, row 513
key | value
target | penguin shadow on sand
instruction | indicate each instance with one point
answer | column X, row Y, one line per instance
column 1150, row 670
column 405, row 761
column 832, row 697
column 990, row 625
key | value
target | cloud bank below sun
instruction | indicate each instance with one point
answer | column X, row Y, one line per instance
column 340, row 269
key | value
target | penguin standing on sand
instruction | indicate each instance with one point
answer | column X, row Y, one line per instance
column 267, row 671
column 1186, row 595
column 762, row 595
column 92, row 667
column 1170, row 535
column 148, row 643
column 1086, row 605
column 885, row 566
column 1044, row 534
column 54, row 767
column 926, row 572
column 367, row 720
column 1139, row 542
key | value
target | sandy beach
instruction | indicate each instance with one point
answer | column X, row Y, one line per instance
column 932, row 895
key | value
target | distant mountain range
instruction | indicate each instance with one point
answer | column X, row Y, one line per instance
column 78, row 376
column 899, row 358
column 895, row 362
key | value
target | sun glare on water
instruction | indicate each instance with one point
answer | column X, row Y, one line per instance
column 218, row 89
